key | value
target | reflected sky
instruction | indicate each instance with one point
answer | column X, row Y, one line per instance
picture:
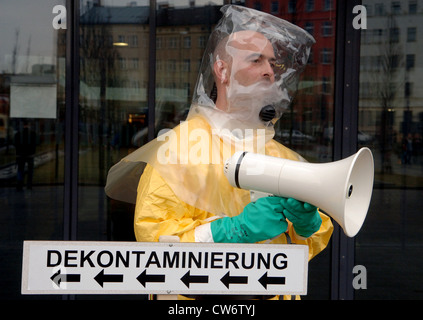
column 26, row 27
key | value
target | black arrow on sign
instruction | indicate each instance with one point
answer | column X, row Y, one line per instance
column 265, row 280
column 227, row 280
column 58, row 278
column 101, row 278
column 143, row 278
column 187, row 279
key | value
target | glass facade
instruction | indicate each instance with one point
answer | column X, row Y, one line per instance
column 136, row 64
column 391, row 124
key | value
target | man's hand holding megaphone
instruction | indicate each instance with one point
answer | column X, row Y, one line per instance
column 265, row 219
column 304, row 216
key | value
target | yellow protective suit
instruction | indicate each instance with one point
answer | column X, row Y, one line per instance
column 161, row 211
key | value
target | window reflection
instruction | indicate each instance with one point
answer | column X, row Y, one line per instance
column 391, row 123
column 308, row 125
column 31, row 97
column 114, row 75
column 114, row 94
column 32, row 94
column 182, row 33
column 113, row 108
column 390, row 105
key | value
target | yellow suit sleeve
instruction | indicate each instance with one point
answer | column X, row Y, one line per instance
column 158, row 211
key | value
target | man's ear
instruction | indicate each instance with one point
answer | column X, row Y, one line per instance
column 221, row 71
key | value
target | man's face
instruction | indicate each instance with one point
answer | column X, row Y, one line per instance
column 253, row 58
column 245, row 76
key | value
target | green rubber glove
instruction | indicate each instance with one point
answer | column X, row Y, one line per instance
column 304, row 216
column 260, row 220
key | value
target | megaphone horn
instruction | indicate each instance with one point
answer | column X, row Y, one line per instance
column 342, row 189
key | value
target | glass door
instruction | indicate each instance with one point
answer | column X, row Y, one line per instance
column 32, row 95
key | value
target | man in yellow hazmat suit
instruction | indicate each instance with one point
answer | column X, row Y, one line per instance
column 248, row 76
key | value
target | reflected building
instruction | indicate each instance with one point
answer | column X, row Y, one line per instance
column 115, row 62
column 391, row 93
column 311, row 113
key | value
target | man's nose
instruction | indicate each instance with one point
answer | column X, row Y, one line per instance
column 268, row 71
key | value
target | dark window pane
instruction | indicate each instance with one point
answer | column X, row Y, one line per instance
column 391, row 124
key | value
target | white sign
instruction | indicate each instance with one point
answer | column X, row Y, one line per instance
column 75, row 267
column 33, row 100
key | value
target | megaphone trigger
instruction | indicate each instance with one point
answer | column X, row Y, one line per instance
column 255, row 195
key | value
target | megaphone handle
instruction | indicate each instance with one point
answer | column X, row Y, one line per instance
column 255, row 195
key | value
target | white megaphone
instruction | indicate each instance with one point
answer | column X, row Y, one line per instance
column 342, row 189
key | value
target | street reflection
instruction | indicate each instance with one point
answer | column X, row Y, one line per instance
column 391, row 119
